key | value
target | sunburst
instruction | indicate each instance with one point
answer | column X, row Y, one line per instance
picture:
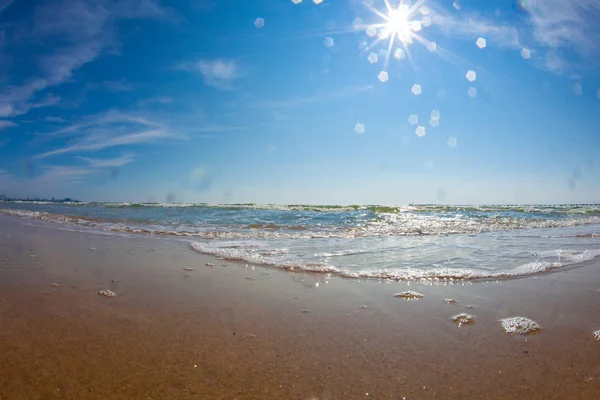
column 400, row 27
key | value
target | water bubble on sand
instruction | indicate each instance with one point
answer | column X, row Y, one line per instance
column 463, row 318
column 409, row 295
column 520, row 325
column 450, row 301
column 597, row 335
column 107, row 293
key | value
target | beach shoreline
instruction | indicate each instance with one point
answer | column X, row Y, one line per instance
column 184, row 326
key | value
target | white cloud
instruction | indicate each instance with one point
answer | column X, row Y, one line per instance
column 558, row 23
column 55, row 119
column 113, row 86
column 321, row 97
column 6, row 124
column 219, row 73
column 156, row 100
column 109, row 163
column 470, row 25
column 99, row 142
column 83, row 29
column 4, row 4
column 564, row 33
column 113, row 129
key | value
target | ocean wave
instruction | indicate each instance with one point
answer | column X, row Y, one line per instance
column 385, row 225
column 254, row 257
column 432, row 274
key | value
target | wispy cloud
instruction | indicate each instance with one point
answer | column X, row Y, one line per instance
column 112, row 86
column 4, row 4
column 110, row 162
column 469, row 25
column 318, row 98
column 220, row 128
column 83, row 29
column 218, row 73
column 6, row 124
column 55, row 119
column 110, row 130
column 563, row 28
column 100, row 142
column 563, row 34
column 156, row 100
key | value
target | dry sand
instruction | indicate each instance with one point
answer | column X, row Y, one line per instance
column 211, row 333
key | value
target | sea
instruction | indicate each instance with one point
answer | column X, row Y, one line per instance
column 435, row 243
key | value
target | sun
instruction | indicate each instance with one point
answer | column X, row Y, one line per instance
column 399, row 27
column 399, row 24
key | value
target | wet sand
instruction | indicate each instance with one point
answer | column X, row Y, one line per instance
column 239, row 332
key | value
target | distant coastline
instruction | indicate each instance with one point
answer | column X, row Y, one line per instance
column 39, row 200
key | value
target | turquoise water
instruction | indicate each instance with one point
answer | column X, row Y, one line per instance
column 416, row 242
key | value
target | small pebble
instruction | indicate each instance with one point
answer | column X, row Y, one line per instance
column 450, row 301
column 188, row 269
column 210, row 264
column 409, row 295
column 305, row 311
column 597, row 335
column 364, row 307
column 250, row 279
column 468, row 306
column 55, row 285
column 225, row 265
column 32, row 256
column 113, row 280
column 92, row 248
column 107, row 293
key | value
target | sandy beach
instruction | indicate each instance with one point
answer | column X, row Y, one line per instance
column 185, row 326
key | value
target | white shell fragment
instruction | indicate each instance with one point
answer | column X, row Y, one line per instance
column 107, row 293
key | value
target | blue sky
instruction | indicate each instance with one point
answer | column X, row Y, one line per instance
column 281, row 101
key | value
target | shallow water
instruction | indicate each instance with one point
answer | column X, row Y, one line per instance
column 428, row 242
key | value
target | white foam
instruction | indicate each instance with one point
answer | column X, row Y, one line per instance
column 463, row 318
column 251, row 256
column 409, row 295
column 519, row 325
